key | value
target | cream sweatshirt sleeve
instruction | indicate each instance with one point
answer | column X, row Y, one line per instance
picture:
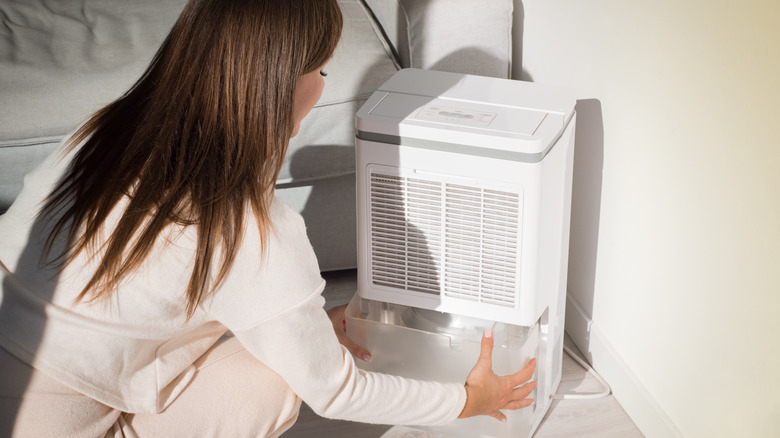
column 301, row 346
column 272, row 303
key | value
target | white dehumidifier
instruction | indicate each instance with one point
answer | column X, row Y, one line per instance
column 463, row 204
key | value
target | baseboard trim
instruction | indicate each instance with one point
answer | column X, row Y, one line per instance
column 632, row 395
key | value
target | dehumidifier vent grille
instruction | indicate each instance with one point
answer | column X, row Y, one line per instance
column 406, row 232
column 447, row 239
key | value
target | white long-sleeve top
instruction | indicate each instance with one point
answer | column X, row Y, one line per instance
column 135, row 352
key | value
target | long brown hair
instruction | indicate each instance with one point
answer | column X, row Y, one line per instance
column 195, row 142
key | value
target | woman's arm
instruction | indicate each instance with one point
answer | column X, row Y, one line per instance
column 487, row 393
column 301, row 346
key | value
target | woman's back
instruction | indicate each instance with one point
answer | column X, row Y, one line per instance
column 127, row 350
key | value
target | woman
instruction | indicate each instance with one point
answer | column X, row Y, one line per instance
column 159, row 231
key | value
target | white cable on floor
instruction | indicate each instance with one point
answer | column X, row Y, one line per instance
column 588, row 368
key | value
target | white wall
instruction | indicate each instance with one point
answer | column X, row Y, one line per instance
column 674, row 282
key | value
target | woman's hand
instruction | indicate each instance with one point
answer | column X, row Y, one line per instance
column 487, row 393
column 339, row 320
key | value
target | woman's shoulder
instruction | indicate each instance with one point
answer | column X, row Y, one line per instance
column 288, row 227
column 268, row 276
column 285, row 217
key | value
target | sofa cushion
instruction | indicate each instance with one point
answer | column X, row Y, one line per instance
column 61, row 61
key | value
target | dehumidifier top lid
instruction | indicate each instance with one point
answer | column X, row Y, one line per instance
column 421, row 107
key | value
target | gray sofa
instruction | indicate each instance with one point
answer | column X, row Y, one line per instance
column 60, row 60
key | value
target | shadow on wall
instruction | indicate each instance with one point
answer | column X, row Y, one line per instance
column 404, row 30
column 585, row 218
column 481, row 63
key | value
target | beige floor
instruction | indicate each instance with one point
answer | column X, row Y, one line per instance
column 596, row 418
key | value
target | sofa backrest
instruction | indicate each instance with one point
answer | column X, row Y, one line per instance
column 62, row 61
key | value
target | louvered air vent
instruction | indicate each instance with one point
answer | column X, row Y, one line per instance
column 441, row 238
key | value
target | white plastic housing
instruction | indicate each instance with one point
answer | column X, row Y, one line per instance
column 464, row 195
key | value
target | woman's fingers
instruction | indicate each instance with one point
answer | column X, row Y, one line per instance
column 498, row 415
column 488, row 394
column 353, row 347
column 521, row 392
column 486, row 352
column 523, row 375
column 519, row 404
column 338, row 318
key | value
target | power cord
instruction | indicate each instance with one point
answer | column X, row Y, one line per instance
column 584, row 396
